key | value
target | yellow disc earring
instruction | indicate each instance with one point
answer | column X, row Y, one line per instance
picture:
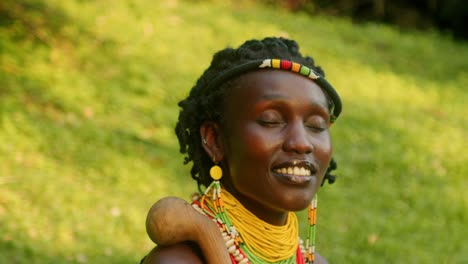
column 215, row 188
column 216, row 172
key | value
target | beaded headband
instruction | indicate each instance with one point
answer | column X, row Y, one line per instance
column 335, row 108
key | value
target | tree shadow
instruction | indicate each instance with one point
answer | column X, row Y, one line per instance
column 33, row 20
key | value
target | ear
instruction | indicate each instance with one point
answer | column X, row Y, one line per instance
column 212, row 142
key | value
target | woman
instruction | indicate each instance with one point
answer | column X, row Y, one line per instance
column 256, row 127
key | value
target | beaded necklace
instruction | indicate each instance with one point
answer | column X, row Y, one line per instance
column 251, row 240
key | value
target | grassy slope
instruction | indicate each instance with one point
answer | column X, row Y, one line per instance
column 88, row 94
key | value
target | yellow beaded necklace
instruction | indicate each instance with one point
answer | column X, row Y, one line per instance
column 269, row 242
column 247, row 237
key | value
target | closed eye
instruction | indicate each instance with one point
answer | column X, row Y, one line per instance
column 270, row 123
column 316, row 124
column 315, row 128
column 270, row 118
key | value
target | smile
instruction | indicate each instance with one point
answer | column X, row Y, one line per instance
column 299, row 171
column 295, row 171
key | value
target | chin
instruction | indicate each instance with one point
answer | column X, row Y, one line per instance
column 298, row 201
column 298, row 207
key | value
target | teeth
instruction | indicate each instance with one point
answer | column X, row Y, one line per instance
column 297, row 171
column 300, row 171
column 303, row 171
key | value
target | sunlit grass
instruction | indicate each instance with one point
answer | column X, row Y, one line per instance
column 88, row 102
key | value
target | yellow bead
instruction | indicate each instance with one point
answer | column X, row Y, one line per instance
column 216, row 173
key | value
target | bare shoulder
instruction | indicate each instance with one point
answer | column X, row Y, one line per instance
column 319, row 259
column 182, row 253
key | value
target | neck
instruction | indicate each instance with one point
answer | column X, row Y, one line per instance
column 264, row 213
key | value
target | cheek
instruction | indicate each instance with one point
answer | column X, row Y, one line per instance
column 323, row 150
column 251, row 148
column 252, row 141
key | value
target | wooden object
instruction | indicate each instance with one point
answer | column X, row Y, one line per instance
column 172, row 220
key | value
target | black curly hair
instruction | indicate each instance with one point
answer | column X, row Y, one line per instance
column 205, row 103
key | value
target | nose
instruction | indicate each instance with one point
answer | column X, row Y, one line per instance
column 297, row 139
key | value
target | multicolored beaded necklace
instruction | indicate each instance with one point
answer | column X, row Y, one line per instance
column 241, row 242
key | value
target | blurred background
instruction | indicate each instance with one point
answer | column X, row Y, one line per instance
column 88, row 104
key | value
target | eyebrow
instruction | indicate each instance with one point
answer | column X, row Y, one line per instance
column 280, row 97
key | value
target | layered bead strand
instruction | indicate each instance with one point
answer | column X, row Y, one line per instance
column 217, row 213
column 310, row 242
column 213, row 205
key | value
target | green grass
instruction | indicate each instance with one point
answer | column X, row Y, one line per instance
column 88, row 94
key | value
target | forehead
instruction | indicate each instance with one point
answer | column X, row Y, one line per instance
column 271, row 84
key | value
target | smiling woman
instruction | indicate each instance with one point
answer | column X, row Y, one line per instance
column 256, row 127
column 280, row 131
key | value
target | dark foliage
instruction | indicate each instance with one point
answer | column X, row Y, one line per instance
column 446, row 15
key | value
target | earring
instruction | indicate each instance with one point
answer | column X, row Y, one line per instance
column 216, row 173
column 310, row 243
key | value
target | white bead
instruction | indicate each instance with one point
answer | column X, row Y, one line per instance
column 232, row 249
column 239, row 258
column 229, row 243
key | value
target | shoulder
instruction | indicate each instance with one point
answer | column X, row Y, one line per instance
column 182, row 253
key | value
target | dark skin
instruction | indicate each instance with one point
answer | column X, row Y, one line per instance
column 274, row 149
column 182, row 253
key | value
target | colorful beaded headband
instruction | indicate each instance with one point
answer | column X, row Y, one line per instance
column 335, row 108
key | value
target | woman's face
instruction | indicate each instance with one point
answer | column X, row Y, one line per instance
column 276, row 141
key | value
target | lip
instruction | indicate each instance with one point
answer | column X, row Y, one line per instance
column 295, row 179
column 297, row 163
